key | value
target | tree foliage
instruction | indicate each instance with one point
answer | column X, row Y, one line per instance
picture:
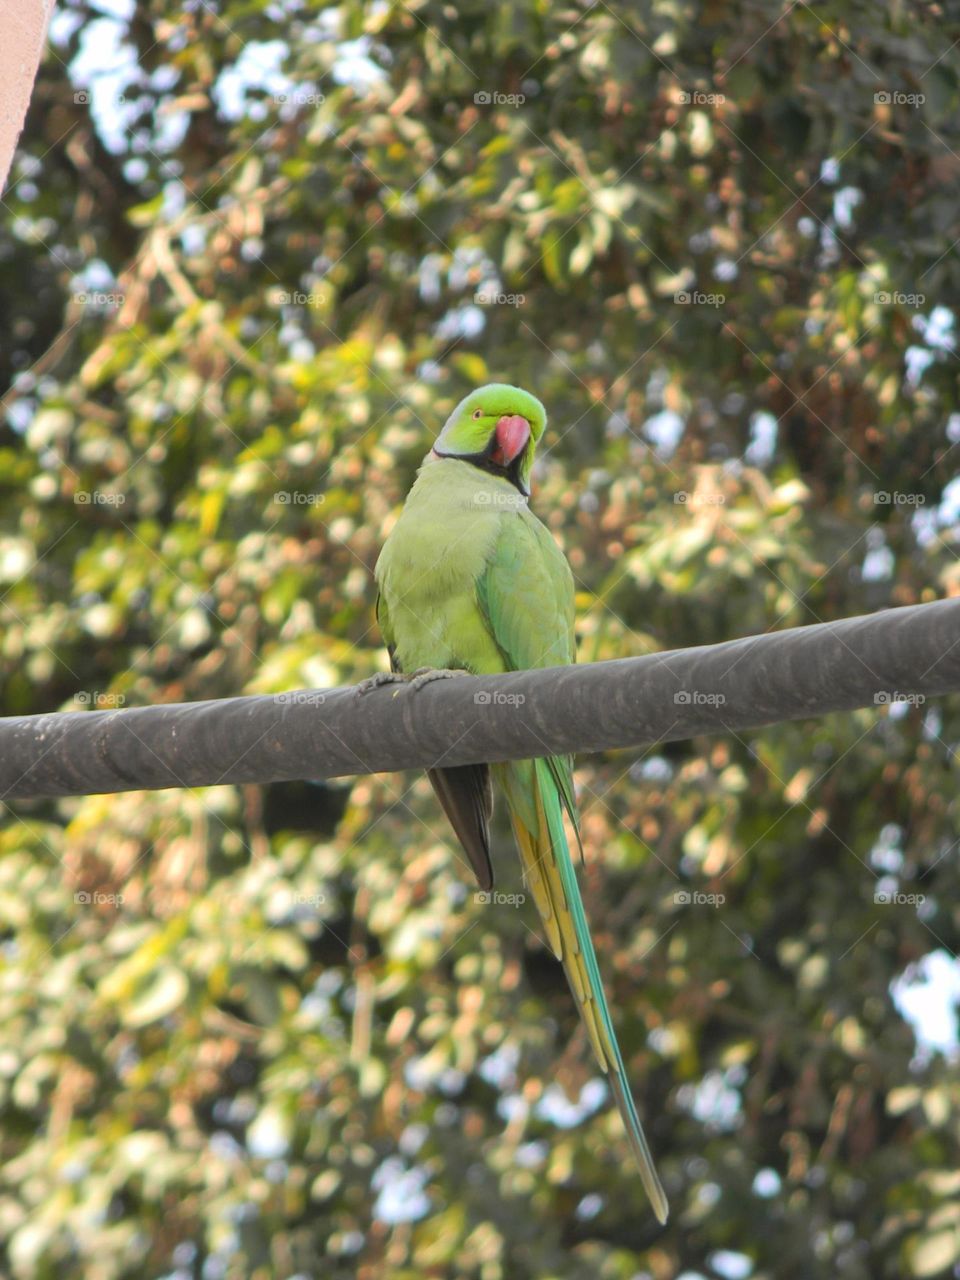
column 273, row 1033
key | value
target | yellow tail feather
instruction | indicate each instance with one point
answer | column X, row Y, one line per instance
column 542, row 873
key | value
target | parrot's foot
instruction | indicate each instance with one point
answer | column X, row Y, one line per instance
column 415, row 679
column 424, row 675
column 381, row 678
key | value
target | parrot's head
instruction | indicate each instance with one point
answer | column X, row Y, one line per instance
column 497, row 428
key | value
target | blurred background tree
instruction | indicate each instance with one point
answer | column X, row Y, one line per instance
column 252, row 255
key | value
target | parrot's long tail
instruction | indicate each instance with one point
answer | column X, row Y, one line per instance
column 550, row 873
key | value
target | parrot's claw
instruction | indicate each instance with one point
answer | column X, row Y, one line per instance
column 424, row 675
column 381, row 678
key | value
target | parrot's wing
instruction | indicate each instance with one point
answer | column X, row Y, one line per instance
column 526, row 598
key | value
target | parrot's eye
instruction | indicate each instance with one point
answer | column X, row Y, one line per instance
column 478, row 413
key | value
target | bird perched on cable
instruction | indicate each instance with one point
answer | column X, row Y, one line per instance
column 470, row 580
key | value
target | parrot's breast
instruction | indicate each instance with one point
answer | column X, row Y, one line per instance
column 430, row 564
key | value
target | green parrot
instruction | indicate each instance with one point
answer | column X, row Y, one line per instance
column 470, row 580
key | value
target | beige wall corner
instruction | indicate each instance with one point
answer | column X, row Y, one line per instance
column 24, row 27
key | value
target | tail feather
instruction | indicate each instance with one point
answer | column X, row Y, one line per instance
column 466, row 794
column 553, row 882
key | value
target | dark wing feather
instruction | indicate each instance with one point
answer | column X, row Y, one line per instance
column 465, row 791
column 466, row 794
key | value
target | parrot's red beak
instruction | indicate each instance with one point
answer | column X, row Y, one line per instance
column 513, row 432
